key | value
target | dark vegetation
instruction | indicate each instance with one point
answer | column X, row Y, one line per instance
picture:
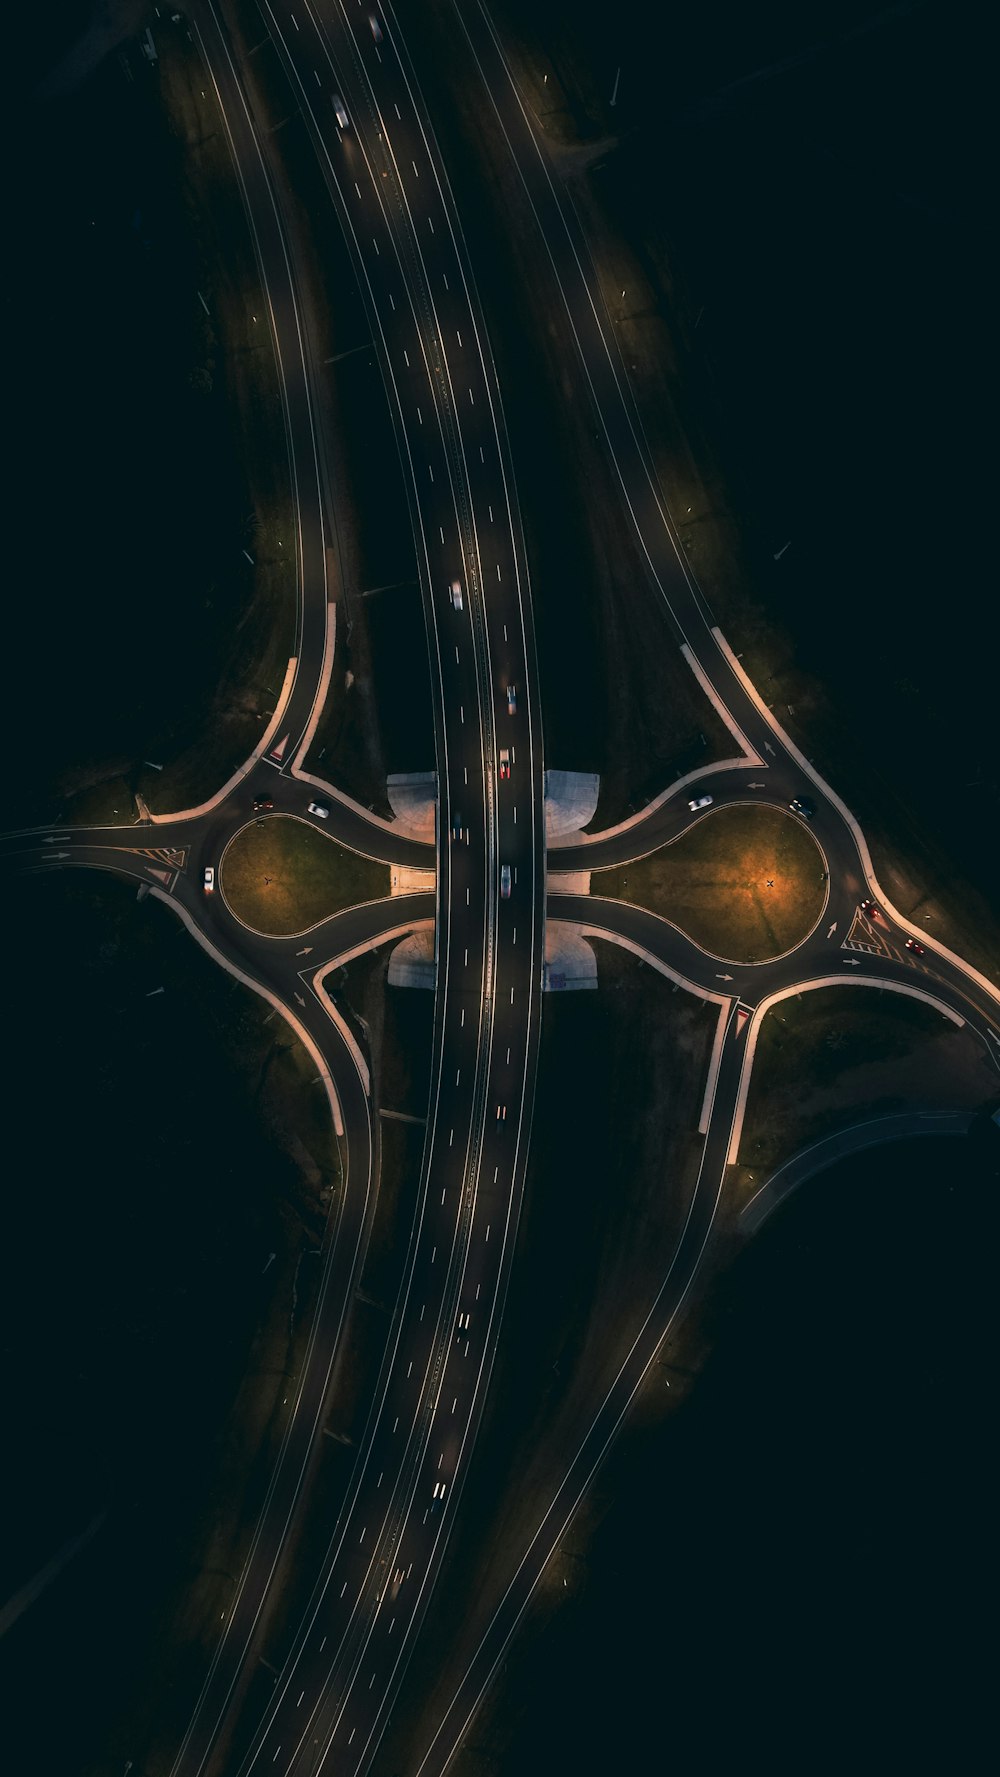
column 807, row 1589
column 168, row 1143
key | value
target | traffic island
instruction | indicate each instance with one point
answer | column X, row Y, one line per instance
column 280, row 876
column 747, row 884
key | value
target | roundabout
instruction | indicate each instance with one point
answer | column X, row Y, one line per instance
column 747, row 884
column 281, row 876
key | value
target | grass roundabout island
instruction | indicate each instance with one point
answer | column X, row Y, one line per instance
column 281, row 876
column 745, row 883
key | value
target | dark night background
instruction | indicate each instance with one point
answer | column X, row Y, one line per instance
column 813, row 1584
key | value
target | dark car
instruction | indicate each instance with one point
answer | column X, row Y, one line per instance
column 870, row 909
column 915, row 945
column 802, row 805
column 260, row 803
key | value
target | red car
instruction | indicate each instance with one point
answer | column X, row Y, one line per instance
column 870, row 910
column 915, row 945
column 505, row 762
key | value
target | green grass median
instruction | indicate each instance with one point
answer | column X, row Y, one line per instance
column 282, row 876
column 745, row 883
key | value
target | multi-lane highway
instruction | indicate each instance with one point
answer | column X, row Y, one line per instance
column 338, row 1677
column 393, row 204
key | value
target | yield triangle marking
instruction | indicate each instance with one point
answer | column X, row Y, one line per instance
column 278, row 751
column 741, row 1017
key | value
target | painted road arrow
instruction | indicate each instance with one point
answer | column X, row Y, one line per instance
column 725, row 977
column 768, row 748
column 833, row 928
column 306, row 952
column 301, row 1001
column 756, row 786
column 851, row 961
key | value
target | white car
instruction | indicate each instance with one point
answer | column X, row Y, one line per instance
column 456, row 594
column 320, row 809
column 374, row 27
column 209, row 880
column 440, row 1488
column 701, row 802
column 340, row 111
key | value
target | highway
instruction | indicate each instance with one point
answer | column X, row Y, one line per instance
column 339, row 1680
column 339, row 1677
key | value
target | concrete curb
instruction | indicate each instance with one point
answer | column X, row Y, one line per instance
column 752, row 758
column 326, row 673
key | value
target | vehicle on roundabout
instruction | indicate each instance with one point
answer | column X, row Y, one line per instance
column 319, row 809
column 700, row 802
column 208, row 880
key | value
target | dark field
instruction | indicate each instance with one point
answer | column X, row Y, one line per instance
column 790, row 1576
column 169, row 1144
